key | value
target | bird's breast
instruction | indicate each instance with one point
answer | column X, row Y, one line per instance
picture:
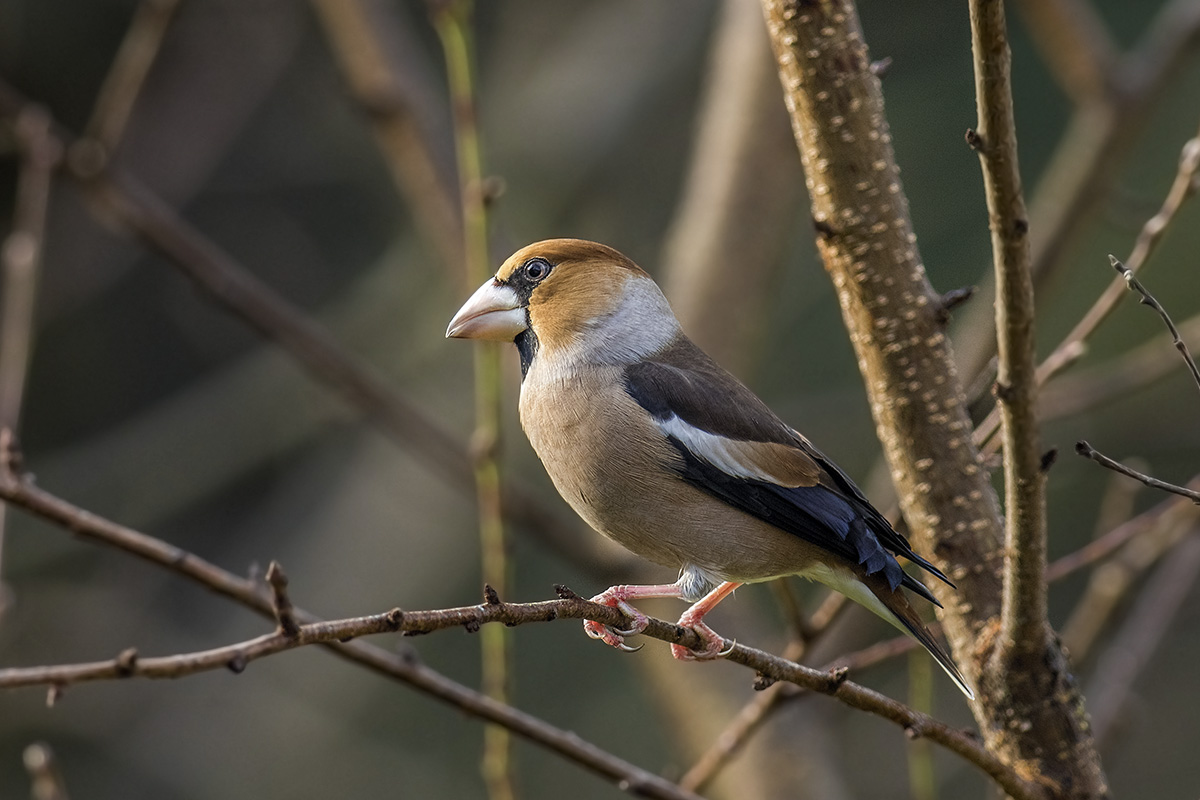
column 616, row 468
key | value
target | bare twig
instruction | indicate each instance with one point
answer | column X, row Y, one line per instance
column 19, row 491
column 20, row 260
column 125, row 77
column 1084, row 166
column 281, row 604
column 1148, row 299
column 45, row 781
column 1140, row 636
column 234, row 657
column 1087, row 451
column 1074, row 345
column 1023, row 612
column 1183, row 187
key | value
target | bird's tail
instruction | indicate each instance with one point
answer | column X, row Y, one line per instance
column 903, row 616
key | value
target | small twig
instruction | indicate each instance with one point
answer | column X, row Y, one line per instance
column 1182, row 188
column 1148, row 299
column 281, row 604
column 128, row 72
column 20, row 260
column 45, row 781
column 1087, row 451
column 1143, row 631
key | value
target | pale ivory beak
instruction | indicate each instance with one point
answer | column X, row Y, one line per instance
column 493, row 312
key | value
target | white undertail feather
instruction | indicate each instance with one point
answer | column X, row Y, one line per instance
column 856, row 590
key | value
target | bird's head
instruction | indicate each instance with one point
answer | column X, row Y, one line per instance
column 569, row 296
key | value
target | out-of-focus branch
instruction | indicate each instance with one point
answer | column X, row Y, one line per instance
column 1156, row 533
column 1074, row 43
column 1131, row 371
column 122, row 201
column 1134, row 644
column 1023, row 628
column 751, row 717
column 45, row 781
column 18, row 490
column 738, row 198
column 20, row 261
column 128, row 72
column 368, row 40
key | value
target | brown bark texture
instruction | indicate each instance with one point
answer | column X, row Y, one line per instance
column 1029, row 710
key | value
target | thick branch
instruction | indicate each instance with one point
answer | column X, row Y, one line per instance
column 1023, row 612
column 866, row 239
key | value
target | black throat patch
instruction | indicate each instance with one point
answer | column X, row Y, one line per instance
column 527, row 346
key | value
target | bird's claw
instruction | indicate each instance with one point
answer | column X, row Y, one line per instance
column 712, row 645
column 615, row 637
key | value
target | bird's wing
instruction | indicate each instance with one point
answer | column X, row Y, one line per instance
column 734, row 448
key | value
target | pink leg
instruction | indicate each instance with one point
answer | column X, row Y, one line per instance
column 618, row 597
column 694, row 618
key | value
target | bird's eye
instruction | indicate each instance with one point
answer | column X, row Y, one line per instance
column 536, row 268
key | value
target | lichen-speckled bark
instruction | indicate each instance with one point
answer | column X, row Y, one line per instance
column 866, row 240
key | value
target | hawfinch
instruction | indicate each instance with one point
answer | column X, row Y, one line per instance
column 661, row 450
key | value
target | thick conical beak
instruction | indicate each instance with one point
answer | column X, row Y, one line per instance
column 493, row 312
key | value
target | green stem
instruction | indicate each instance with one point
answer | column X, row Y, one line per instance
column 453, row 23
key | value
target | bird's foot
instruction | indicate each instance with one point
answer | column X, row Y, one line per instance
column 712, row 644
column 615, row 637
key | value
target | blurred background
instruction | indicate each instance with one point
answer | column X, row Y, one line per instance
column 320, row 156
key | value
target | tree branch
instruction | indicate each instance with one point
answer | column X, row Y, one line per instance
column 866, row 239
column 1023, row 630
column 1148, row 299
column 1087, row 451
column 18, row 490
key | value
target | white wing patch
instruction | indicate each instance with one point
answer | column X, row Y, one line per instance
column 725, row 454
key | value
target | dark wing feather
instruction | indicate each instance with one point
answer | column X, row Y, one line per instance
column 830, row 511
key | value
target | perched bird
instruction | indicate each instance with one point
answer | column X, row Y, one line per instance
column 666, row 453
